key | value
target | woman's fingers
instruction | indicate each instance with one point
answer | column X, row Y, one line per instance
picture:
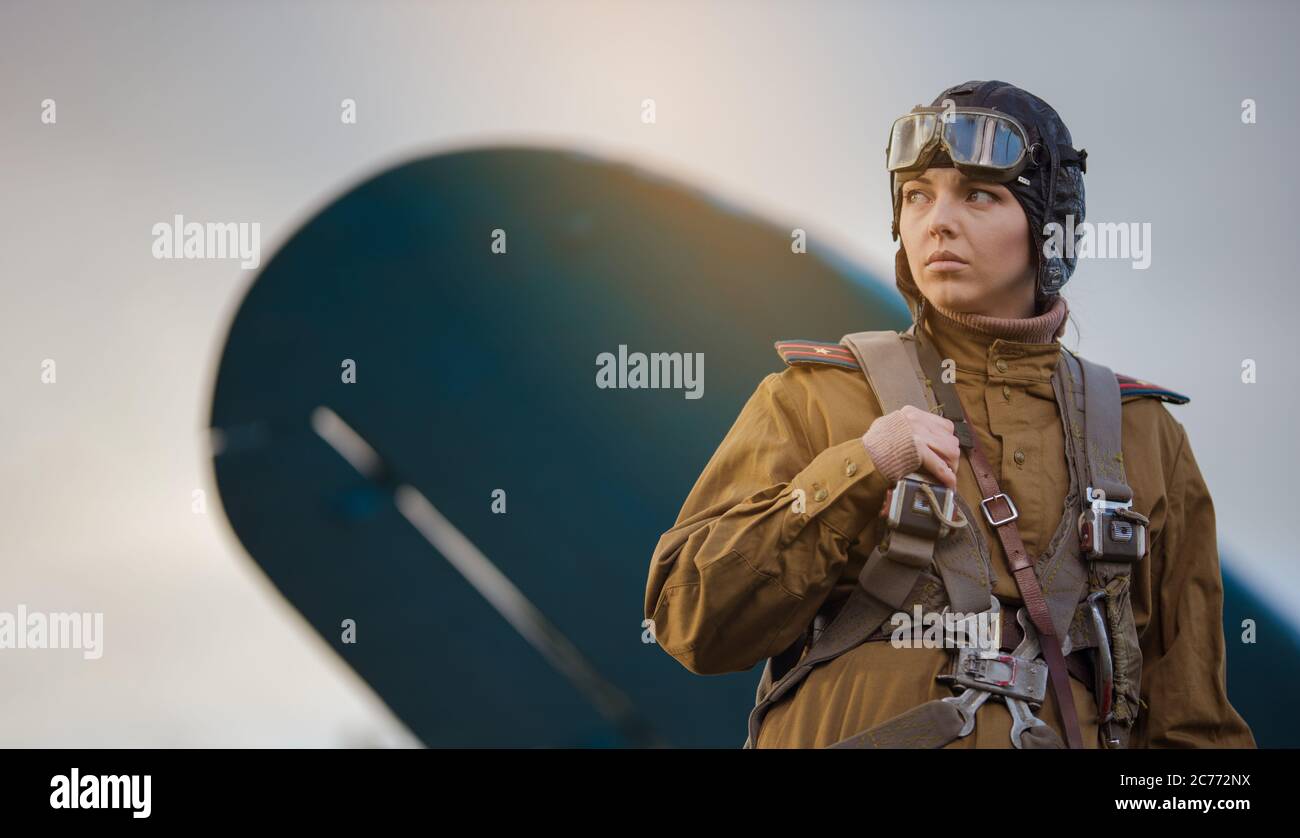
column 943, row 443
column 938, row 432
column 925, row 417
column 950, row 450
column 938, row 467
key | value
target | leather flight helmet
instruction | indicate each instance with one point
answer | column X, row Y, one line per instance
column 1050, row 186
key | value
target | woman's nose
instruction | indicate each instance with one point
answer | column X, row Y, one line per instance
column 943, row 217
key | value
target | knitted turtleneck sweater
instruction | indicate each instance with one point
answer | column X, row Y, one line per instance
column 1040, row 329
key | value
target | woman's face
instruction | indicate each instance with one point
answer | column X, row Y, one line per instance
column 983, row 229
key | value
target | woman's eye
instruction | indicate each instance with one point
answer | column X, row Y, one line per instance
column 908, row 197
column 988, row 197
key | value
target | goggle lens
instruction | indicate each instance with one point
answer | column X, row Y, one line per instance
column 911, row 134
column 983, row 140
column 972, row 139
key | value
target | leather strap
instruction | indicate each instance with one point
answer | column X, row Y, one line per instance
column 1022, row 568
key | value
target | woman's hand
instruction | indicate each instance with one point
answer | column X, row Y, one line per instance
column 910, row 439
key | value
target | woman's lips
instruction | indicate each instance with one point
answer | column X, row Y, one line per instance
column 943, row 266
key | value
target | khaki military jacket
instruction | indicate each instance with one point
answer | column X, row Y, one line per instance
column 740, row 576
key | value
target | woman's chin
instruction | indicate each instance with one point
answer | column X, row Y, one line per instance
column 952, row 295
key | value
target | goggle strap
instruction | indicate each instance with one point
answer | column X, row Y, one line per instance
column 1070, row 157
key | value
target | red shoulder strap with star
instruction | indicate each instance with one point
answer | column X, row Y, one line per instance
column 801, row 352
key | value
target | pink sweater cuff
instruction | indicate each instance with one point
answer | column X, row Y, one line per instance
column 891, row 446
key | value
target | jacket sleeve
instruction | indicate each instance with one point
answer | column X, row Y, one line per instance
column 760, row 540
column 1184, row 666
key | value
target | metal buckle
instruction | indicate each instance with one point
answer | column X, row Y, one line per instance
column 1001, row 673
column 1097, row 500
column 1103, row 524
column 1015, row 513
column 909, row 508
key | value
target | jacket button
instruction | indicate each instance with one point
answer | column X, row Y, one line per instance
column 1001, row 365
column 820, row 496
column 1020, row 457
column 1006, row 392
column 850, row 468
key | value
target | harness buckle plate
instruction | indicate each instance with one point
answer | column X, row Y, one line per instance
column 1111, row 530
column 1000, row 673
column 910, row 509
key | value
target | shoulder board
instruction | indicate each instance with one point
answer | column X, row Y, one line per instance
column 1130, row 386
column 800, row 352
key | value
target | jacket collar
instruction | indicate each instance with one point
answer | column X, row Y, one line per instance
column 998, row 348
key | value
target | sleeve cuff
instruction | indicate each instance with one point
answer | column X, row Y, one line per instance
column 890, row 443
column 843, row 488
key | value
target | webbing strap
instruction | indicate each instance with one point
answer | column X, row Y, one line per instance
column 945, row 392
column 895, row 371
column 885, row 581
column 1102, row 413
column 929, row 725
column 1118, row 700
column 885, row 362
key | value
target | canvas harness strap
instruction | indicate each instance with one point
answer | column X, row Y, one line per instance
column 1112, row 540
